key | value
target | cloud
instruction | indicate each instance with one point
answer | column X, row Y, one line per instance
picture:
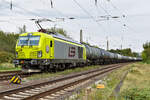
column 135, row 33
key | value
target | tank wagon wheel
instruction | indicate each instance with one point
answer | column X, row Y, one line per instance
column 64, row 66
column 61, row 67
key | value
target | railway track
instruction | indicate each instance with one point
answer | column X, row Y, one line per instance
column 9, row 74
column 55, row 87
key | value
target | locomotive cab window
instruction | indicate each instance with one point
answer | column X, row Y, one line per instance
column 51, row 43
column 34, row 40
column 28, row 40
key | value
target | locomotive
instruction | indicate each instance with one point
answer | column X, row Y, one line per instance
column 38, row 51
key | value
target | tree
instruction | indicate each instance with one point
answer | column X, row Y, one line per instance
column 8, row 41
column 146, row 45
column 146, row 52
column 22, row 29
column 58, row 30
column 135, row 54
column 125, row 52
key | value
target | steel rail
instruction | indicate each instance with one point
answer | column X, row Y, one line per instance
column 62, row 87
column 13, row 91
column 8, row 72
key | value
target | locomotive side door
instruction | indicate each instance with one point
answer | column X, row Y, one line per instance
column 51, row 48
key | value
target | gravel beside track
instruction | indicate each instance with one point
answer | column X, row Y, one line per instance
column 57, row 85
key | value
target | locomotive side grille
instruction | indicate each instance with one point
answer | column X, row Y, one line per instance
column 33, row 54
column 21, row 55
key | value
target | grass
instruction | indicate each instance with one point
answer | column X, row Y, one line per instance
column 110, row 82
column 137, row 82
column 139, row 76
column 68, row 71
column 8, row 67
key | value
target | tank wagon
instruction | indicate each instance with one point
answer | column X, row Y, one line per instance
column 100, row 56
column 37, row 51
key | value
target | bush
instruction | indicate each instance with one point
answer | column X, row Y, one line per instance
column 8, row 67
column 6, row 57
column 146, row 53
column 135, row 70
column 136, row 94
column 7, row 49
column 8, row 41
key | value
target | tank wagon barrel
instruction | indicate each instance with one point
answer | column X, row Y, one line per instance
column 100, row 56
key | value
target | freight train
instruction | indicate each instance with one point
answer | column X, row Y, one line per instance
column 38, row 51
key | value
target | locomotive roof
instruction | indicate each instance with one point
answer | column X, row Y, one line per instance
column 55, row 35
column 59, row 36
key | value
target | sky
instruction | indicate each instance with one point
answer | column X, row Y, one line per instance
column 130, row 31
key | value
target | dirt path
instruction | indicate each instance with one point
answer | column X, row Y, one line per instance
column 118, row 87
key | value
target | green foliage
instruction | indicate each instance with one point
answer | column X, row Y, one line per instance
column 134, row 70
column 95, row 46
column 146, row 45
column 7, row 46
column 125, row 52
column 58, row 30
column 135, row 54
column 86, row 43
column 22, row 29
column 146, row 52
column 8, row 41
column 6, row 57
column 136, row 94
column 8, row 67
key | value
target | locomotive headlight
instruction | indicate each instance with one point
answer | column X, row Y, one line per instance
column 16, row 54
column 39, row 54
